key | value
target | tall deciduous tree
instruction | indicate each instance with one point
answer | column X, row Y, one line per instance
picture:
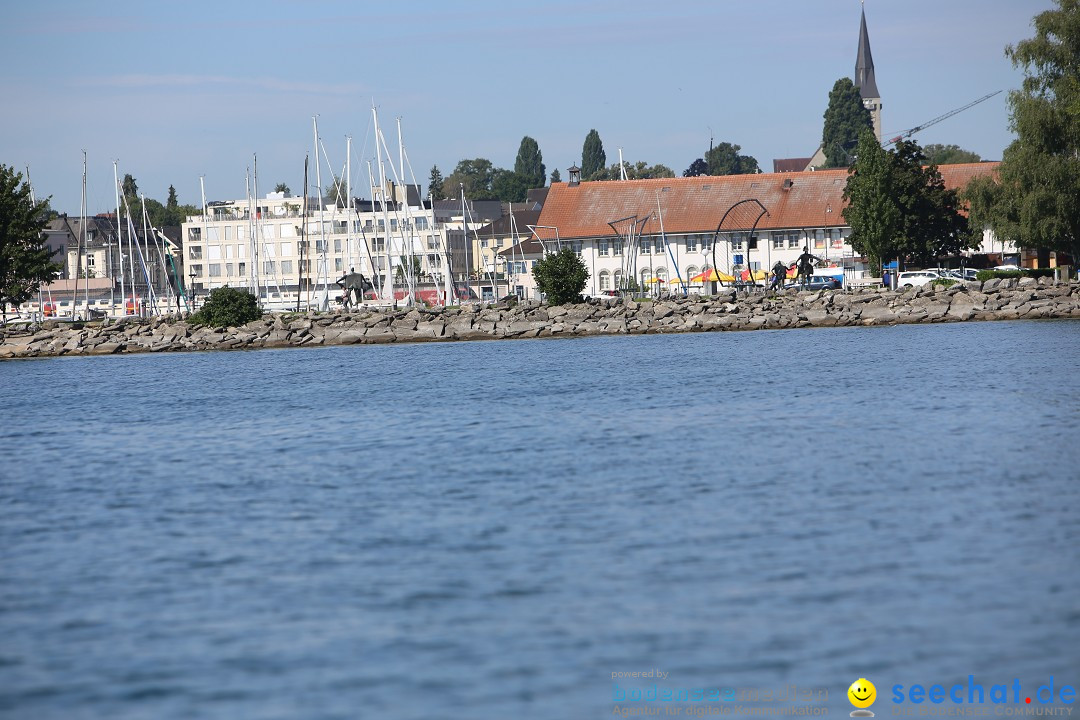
column 898, row 206
column 1040, row 170
column 845, row 119
column 25, row 260
column 697, row 168
column 949, row 154
column 477, row 175
column 530, row 163
column 724, row 159
column 593, row 157
column 873, row 216
column 509, row 186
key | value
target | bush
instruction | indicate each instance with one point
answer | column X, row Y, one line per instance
column 228, row 307
column 561, row 276
column 944, row 282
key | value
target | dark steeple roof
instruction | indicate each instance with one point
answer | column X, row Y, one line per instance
column 864, row 64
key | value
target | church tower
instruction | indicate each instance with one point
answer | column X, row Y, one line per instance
column 864, row 78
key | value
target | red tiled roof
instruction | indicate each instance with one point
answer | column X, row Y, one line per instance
column 697, row 204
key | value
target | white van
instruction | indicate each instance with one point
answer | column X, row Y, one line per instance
column 916, row 278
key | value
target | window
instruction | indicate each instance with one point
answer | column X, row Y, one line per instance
column 229, row 269
column 602, row 249
column 286, row 267
column 268, row 267
column 194, row 234
column 421, row 223
column 241, row 233
column 691, row 243
column 658, row 246
column 337, row 245
column 197, row 269
column 337, row 264
column 737, row 241
column 576, row 247
column 241, row 268
column 819, row 240
column 793, row 239
column 215, row 269
column 618, row 277
column 483, row 242
column 616, row 247
column 194, row 252
column 778, row 241
column 691, row 271
column 339, row 227
column 605, row 280
column 214, row 252
column 286, row 230
column 643, row 249
column 837, row 242
column 228, row 233
column 212, row 234
column 90, row 261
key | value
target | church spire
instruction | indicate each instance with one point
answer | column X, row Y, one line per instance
column 864, row 78
column 864, row 64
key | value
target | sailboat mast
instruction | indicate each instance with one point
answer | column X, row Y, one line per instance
column 82, row 242
column 388, row 279
column 349, row 204
column 255, row 240
column 119, row 236
column 322, row 210
column 303, row 240
column 205, row 232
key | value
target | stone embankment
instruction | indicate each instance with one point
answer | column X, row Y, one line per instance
column 993, row 300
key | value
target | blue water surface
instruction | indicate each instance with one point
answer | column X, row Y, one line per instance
column 494, row 530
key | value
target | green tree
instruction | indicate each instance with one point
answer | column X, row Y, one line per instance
column 593, row 157
column 898, row 206
column 724, row 159
column 530, row 163
column 477, row 175
column 228, row 307
column 845, row 119
column 949, row 154
column 509, row 186
column 1040, row 170
column 697, row 168
column 25, row 261
column 555, row 176
column 283, row 188
column 636, row 171
column 435, row 184
column 129, row 189
column 561, row 276
column 873, row 216
column 337, row 192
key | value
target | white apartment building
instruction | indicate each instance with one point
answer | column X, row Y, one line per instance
column 271, row 247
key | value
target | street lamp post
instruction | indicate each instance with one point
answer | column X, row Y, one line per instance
column 825, row 232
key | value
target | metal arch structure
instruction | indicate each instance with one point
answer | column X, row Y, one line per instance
column 633, row 232
column 716, row 234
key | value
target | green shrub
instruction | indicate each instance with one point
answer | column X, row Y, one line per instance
column 561, row 276
column 944, row 282
column 984, row 275
column 228, row 307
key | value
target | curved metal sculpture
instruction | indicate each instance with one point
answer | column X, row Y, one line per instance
column 753, row 227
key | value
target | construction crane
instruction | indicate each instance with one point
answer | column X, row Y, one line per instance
column 935, row 121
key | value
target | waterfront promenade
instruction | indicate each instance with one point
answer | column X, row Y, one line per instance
column 996, row 299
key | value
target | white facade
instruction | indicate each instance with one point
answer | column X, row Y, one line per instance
column 269, row 247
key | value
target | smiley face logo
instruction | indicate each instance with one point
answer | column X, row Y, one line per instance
column 862, row 694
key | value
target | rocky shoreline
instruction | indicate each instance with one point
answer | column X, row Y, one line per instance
column 995, row 299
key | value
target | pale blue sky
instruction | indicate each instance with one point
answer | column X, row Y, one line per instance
column 182, row 89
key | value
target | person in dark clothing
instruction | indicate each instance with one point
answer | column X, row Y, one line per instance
column 779, row 272
column 806, row 265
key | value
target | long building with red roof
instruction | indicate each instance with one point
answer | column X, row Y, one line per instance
column 616, row 225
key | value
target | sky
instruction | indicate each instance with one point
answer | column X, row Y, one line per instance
column 175, row 92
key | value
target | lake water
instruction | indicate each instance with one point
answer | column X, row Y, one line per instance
column 495, row 529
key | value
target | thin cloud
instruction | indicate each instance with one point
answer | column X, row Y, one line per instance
column 276, row 85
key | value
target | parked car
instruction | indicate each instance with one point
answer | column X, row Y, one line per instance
column 916, row 278
column 816, row 282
